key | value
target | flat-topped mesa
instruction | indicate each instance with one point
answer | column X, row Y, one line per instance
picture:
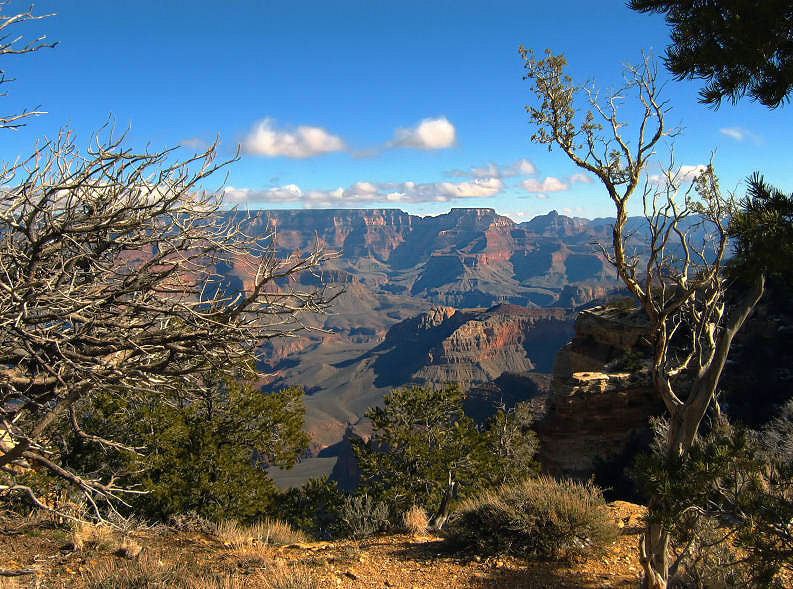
column 601, row 395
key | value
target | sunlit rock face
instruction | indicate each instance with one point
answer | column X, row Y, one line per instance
column 601, row 397
column 469, row 257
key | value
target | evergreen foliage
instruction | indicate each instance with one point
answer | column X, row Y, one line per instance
column 762, row 231
column 739, row 46
column 423, row 444
column 313, row 508
column 727, row 503
column 206, row 455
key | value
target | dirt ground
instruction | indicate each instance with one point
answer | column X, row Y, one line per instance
column 163, row 558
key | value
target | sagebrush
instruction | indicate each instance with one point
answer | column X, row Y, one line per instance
column 538, row 516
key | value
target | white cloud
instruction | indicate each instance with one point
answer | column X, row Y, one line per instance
column 491, row 170
column 688, row 173
column 438, row 133
column 683, row 174
column 740, row 134
column 368, row 192
column 541, row 195
column 522, row 167
column 478, row 188
column 550, row 184
column 194, row 143
column 288, row 193
column 582, row 178
column 305, row 141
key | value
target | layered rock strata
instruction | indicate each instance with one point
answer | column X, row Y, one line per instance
column 601, row 398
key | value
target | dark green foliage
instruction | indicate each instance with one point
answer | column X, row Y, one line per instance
column 420, row 436
column 204, row 455
column 739, row 46
column 762, row 232
column 539, row 516
column 422, row 440
column 512, row 445
column 313, row 508
column 727, row 503
column 623, row 304
column 209, row 458
column 631, row 361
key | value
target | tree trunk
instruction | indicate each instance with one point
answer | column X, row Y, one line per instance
column 439, row 519
column 654, row 556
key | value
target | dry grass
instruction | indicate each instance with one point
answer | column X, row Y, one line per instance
column 416, row 521
column 289, row 577
column 88, row 535
column 146, row 571
column 152, row 572
column 268, row 531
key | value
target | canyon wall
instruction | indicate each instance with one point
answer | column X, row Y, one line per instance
column 601, row 397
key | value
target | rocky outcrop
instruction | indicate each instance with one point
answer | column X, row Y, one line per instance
column 471, row 347
column 601, row 397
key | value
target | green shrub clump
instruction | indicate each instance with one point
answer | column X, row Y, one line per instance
column 538, row 516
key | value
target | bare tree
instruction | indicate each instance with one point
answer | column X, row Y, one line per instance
column 112, row 280
column 678, row 280
column 13, row 45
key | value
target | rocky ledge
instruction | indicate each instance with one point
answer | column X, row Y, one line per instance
column 601, row 397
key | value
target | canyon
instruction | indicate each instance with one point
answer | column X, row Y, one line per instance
column 469, row 296
column 507, row 310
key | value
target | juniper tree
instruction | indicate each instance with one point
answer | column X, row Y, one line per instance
column 679, row 282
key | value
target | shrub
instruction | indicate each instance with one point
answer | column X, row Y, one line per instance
column 312, row 508
column 423, row 446
column 540, row 516
column 415, row 520
column 710, row 560
column 268, row 531
column 726, row 503
column 361, row 516
column 623, row 304
column 85, row 534
column 191, row 522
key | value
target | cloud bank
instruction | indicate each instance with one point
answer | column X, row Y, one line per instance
column 361, row 193
column 304, row 142
column 522, row 167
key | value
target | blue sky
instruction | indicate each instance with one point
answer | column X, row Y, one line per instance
column 414, row 105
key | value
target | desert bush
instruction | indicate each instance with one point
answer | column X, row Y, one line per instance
column 539, row 516
column 268, row 531
column 101, row 537
column 361, row 516
column 424, row 450
column 416, row 521
column 312, row 508
column 623, row 304
column 727, row 504
column 191, row 522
